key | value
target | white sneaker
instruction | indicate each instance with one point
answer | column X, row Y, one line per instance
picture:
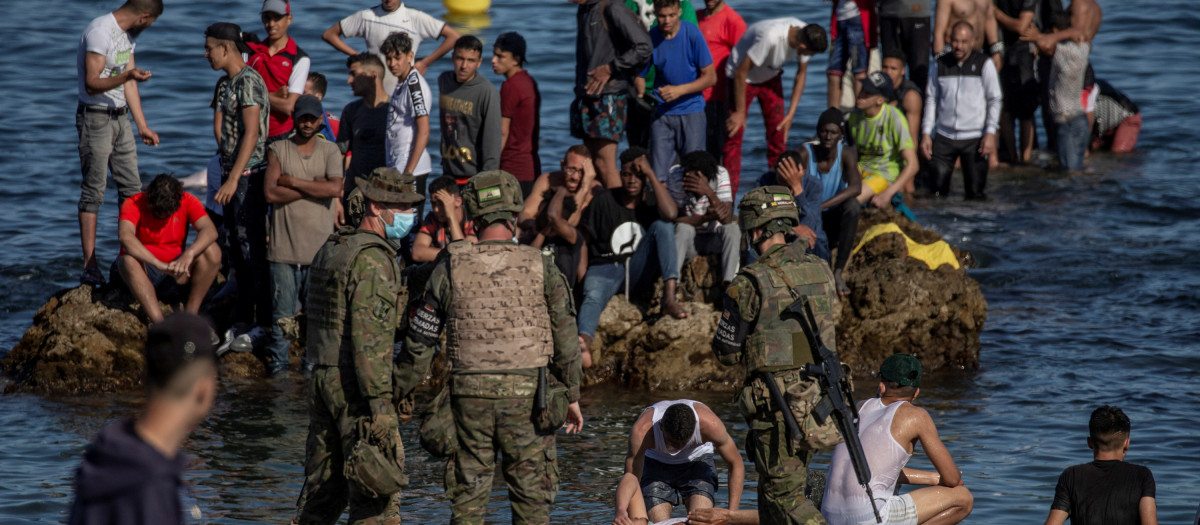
column 248, row 341
column 226, row 342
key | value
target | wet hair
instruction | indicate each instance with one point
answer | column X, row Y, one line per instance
column 369, row 61
column 962, row 23
column 163, row 195
column 896, row 54
column 444, row 183
column 398, row 43
column 660, row 4
column 894, row 389
column 469, row 43
column 579, row 149
column 1108, row 428
column 678, row 422
column 702, row 162
column 145, row 7
column 798, row 155
column 814, row 38
column 632, row 154
column 318, row 81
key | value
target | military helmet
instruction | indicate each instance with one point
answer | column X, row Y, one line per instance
column 492, row 195
column 769, row 205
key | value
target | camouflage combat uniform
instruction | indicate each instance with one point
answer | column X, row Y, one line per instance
column 507, row 312
column 753, row 331
column 353, row 306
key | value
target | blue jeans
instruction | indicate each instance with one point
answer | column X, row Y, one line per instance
column 674, row 134
column 850, row 45
column 287, row 286
column 604, row 280
column 1072, row 142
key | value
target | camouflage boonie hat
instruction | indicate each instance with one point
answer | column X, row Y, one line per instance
column 766, row 204
column 492, row 195
column 388, row 185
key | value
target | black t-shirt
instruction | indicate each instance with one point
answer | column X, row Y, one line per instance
column 566, row 256
column 1103, row 492
column 1014, row 8
column 604, row 222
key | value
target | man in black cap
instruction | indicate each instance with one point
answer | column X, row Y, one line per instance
column 520, row 111
column 835, row 164
column 304, row 176
column 881, row 136
column 889, row 428
column 132, row 473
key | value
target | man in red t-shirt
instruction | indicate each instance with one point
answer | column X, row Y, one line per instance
column 722, row 28
column 153, row 260
column 520, row 105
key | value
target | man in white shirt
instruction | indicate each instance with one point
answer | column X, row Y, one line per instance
column 755, row 67
column 376, row 23
column 108, row 89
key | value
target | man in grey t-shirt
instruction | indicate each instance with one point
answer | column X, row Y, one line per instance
column 108, row 89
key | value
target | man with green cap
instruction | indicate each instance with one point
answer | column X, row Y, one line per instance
column 353, row 305
column 514, row 358
column 889, row 427
column 755, row 331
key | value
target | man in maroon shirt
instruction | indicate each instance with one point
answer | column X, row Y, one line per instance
column 520, row 105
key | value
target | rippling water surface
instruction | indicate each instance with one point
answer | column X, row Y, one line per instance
column 1091, row 280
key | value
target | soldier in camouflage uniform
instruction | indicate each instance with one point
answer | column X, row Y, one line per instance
column 507, row 313
column 353, row 305
column 754, row 331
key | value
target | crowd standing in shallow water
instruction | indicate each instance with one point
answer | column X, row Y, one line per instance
column 673, row 81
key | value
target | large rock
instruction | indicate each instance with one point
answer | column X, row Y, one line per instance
column 87, row 340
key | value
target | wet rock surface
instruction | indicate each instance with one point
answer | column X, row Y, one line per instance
column 88, row 339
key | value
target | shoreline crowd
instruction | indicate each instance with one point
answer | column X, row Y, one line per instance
column 310, row 213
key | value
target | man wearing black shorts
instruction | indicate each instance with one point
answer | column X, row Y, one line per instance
column 1017, row 81
column 904, row 28
column 670, row 459
column 1107, row 490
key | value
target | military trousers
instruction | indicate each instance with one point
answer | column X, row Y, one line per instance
column 486, row 427
column 334, row 405
column 782, row 475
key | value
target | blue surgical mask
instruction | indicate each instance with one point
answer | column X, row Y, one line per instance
column 402, row 223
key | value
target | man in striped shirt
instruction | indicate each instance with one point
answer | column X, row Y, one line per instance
column 706, row 223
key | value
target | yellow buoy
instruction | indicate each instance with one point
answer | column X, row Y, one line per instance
column 467, row 7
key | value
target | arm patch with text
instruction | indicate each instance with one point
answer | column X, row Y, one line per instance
column 425, row 321
column 731, row 330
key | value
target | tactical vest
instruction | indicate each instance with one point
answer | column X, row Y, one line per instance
column 498, row 318
column 777, row 341
column 326, row 304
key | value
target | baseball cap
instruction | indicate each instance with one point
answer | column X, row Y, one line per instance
column 174, row 343
column 307, row 105
column 878, row 83
column 282, row 7
column 902, row 369
column 228, row 31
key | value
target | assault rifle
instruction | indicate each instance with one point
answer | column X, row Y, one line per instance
column 837, row 400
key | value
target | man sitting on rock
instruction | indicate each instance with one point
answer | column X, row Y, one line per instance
column 577, row 174
column 705, row 224
column 889, row 428
column 153, row 260
column 670, row 460
column 629, row 231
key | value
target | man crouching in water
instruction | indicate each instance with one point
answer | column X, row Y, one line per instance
column 889, row 427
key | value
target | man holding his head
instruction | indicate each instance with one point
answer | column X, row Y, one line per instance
column 670, row 459
column 108, row 89
column 470, row 111
column 132, row 473
column 1107, row 490
column 889, row 428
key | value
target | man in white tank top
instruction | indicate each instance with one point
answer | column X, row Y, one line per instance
column 670, row 460
column 889, row 428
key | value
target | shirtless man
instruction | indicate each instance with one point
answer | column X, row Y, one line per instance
column 889, row 428
column 576, row 174
column 978, row 13
column 1070, row 48
column 670, row 460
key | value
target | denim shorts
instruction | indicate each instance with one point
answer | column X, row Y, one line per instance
column 849, row 46
column 165, row 287
column 674, row 484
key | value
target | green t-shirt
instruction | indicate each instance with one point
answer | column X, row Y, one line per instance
column 880, row 141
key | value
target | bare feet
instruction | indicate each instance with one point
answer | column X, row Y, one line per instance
column 842, row 289
column 673, row 309
column 585, row 345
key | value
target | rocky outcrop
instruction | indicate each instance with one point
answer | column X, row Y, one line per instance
column 89, row 340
